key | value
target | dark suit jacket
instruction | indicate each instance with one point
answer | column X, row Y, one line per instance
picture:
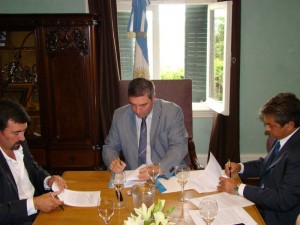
column 12, row 209
column 279, row 200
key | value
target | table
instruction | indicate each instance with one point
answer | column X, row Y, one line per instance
column 99, row 180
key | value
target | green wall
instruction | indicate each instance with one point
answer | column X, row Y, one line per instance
column 270, row 53
column 43, row 6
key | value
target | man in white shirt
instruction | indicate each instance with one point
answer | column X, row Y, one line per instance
column 24, row 185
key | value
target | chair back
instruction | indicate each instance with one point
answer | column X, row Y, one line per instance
column 177, row 91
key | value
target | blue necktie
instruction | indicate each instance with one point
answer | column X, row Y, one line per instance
column 143, row 142
column 275, row 151
column 272, row 157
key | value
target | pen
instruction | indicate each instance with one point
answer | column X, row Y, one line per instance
column 62, row 208
column 119, row 161
column 229, row 167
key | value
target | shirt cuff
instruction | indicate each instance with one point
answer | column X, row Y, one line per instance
column 242, row 168
column 241, row 189
column 30, row 207
column 46, row 186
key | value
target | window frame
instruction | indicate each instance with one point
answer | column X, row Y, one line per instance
column 201, row 109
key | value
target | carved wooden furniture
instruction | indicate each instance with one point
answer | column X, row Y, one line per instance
column 67, row 87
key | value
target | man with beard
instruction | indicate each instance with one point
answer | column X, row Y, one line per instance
column 24, row 184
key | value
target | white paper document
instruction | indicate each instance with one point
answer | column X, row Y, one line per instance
column 226, row 216
column 78, row 198
column 132, row 178
column 225, row 200
column 200, row 180
column 209, row 179
column 173, row 186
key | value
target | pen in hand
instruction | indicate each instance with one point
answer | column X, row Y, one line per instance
column 229, row 167
column 62, row 208
column 119, row 161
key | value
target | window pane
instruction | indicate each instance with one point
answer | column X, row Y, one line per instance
column 171, row 22
column 126, row 46
column 196, row 49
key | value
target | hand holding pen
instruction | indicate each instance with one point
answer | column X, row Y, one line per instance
column 231, row 168
column 117, row 165
column 47, row 202
column 54, row 195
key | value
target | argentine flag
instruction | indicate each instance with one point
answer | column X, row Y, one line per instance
column 137, row 27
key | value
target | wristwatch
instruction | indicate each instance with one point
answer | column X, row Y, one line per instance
column 236, row 189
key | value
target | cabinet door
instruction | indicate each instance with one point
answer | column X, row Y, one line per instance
column 68, row 87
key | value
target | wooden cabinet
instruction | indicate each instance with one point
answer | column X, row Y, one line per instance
column 67, row 87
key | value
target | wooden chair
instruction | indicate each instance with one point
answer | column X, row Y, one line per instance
column 179, row 92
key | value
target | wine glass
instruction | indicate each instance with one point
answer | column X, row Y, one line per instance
column 118, row 180
column 153, row 171
column 105, row 209
column 208, row 209
column 182, row 173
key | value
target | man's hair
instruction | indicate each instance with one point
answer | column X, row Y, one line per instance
column 139, row 86
column 12, row 110
column 285, row 107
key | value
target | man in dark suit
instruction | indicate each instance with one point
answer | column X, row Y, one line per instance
column 278, row 194
column 23, row 184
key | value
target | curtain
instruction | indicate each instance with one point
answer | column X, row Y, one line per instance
column 109, row 61
column 224, row 139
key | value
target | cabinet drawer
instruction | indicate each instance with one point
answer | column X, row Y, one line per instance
column 73, row 158
column 39, row 156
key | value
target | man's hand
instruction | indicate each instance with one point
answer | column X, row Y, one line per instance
column 46, row 203
column 61, row 183
column 227, row 185
column 231, row 168
column 143, row 174
column 117, row 166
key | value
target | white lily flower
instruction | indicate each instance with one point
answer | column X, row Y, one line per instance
column 160, row 219
column 144, row 212
column 134, row 220
column 152, row 215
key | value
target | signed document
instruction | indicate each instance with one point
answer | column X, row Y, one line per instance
column 78, row 198
column 200, row 180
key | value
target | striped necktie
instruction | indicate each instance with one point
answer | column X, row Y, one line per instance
column 275, row 151
column 272, row 157
column 143, row 142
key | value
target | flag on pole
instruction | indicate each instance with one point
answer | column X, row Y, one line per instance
column 137, row 27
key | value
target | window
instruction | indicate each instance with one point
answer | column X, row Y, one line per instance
column 184, row 41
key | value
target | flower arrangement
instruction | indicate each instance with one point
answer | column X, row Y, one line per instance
column 150, row 216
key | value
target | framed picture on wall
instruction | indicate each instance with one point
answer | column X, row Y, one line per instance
column 4, row 39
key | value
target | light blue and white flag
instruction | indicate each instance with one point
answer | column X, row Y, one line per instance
column 137, row 27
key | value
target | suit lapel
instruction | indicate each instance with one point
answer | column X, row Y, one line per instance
column 283, row 151
column 4, row 168
column 132, row 135
column 156, row 113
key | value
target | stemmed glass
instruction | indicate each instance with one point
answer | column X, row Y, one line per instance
column 118, row 180
column 182, row 173
column 208, row 209
column 105, row 209
column 153, row 171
